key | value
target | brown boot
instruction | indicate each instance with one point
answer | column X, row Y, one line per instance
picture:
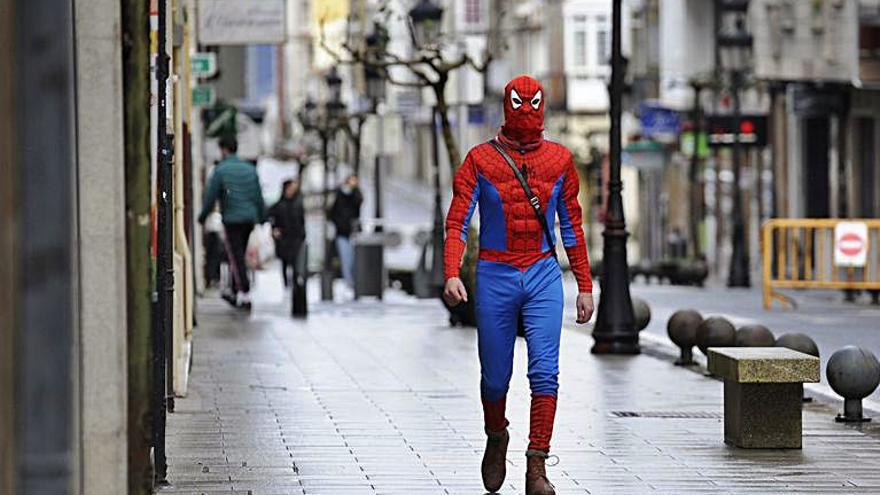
column 536, row 476
column 494, row 466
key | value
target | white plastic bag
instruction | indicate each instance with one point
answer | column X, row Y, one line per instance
column 261, row 247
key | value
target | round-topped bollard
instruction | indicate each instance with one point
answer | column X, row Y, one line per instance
column 754, row 336
column 802, row 343
column 854, row 373
column 642, row 313
column 715, row 331
column 682, row 331
column 798, row 342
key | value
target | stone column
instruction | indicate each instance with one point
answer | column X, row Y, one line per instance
column 101, row 249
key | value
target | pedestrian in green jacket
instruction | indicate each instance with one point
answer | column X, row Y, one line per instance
column 236, row 185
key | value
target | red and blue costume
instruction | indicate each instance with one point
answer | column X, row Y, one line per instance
column 517, row 276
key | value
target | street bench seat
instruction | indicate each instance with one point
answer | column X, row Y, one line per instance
column 763, row 393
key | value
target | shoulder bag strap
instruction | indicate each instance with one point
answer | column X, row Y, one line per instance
column 533, row 200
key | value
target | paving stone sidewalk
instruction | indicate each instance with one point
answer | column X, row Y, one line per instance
column 382, row 398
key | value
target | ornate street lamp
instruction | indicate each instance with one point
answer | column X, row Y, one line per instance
column 376, row 43
column 327, row 126
column 615, row 331
column 308, row 116
column 426, row 19
column 334, row 84
column 734, row 51
column 335, row 107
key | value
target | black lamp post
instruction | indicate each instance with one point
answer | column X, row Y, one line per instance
column 376, row 42
column 426, row 18
column 734, row 50
column 696, row 190
column 326, row 124
column 615, row 331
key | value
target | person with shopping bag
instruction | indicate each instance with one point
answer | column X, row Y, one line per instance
column 235, row 184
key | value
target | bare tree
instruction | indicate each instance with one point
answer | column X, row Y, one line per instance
column 430, row 64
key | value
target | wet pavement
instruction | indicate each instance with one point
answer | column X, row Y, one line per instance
column 382, row 398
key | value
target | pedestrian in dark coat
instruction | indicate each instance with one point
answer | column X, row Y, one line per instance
column 288, row 227
column 345, row 214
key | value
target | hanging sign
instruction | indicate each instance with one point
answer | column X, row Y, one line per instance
column 242, row 22
column 203, row 95
column 204, row 64
column 851, row 244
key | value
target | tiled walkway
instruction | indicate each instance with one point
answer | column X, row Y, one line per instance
column 373, row 398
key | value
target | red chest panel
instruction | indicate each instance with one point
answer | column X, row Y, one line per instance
column 544, row 169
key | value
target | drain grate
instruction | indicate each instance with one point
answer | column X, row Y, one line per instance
column 667, row 414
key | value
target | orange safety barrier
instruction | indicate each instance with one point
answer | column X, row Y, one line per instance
column 819, row 254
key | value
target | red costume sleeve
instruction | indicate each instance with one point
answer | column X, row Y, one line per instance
column 465, row 190
column 571, row 225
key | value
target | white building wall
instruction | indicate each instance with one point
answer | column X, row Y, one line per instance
column 687, row 48
column 587, row 38
column 802, row 41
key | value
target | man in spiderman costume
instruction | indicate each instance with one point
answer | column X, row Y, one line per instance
column 518, row 275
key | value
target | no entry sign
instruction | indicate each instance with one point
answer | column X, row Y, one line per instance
column 851, row 244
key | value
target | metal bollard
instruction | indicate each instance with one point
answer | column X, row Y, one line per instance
column 854, row 373
column 682, row 330
column 642, row 313
column 754, row 336
column 715, row 331
column 801, row 343
column 299, row 306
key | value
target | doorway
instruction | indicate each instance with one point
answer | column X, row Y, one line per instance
column 817, row 184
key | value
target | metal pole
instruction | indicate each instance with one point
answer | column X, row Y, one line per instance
column 43, row 302
column 377, row 171
column 136, row 77
column 162, row 319
column 437, row 232
column 9, row 211
column 739, row 259
column 615, row 331
column 696, row 207
column 326, row 272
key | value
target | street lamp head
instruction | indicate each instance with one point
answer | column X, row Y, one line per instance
column 375, row 82
column 735, row 46
column 426, row 17
column 335, row 110
column 308, row 115
column 334, row 84
column 377, row 40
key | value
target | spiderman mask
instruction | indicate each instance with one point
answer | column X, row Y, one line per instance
column 523, row 112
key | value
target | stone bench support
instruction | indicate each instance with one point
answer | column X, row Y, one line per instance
column 763, row 391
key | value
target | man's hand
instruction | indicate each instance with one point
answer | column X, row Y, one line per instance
column 584, row 307
column 276, row 233
column 454, row 293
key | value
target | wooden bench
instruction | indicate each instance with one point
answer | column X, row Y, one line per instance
column 763, row 393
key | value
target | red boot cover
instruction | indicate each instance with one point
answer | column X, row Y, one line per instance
column 493, row 415
column 543, row 414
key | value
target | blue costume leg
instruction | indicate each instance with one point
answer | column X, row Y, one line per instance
column 498, row 301
column 542, row 318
